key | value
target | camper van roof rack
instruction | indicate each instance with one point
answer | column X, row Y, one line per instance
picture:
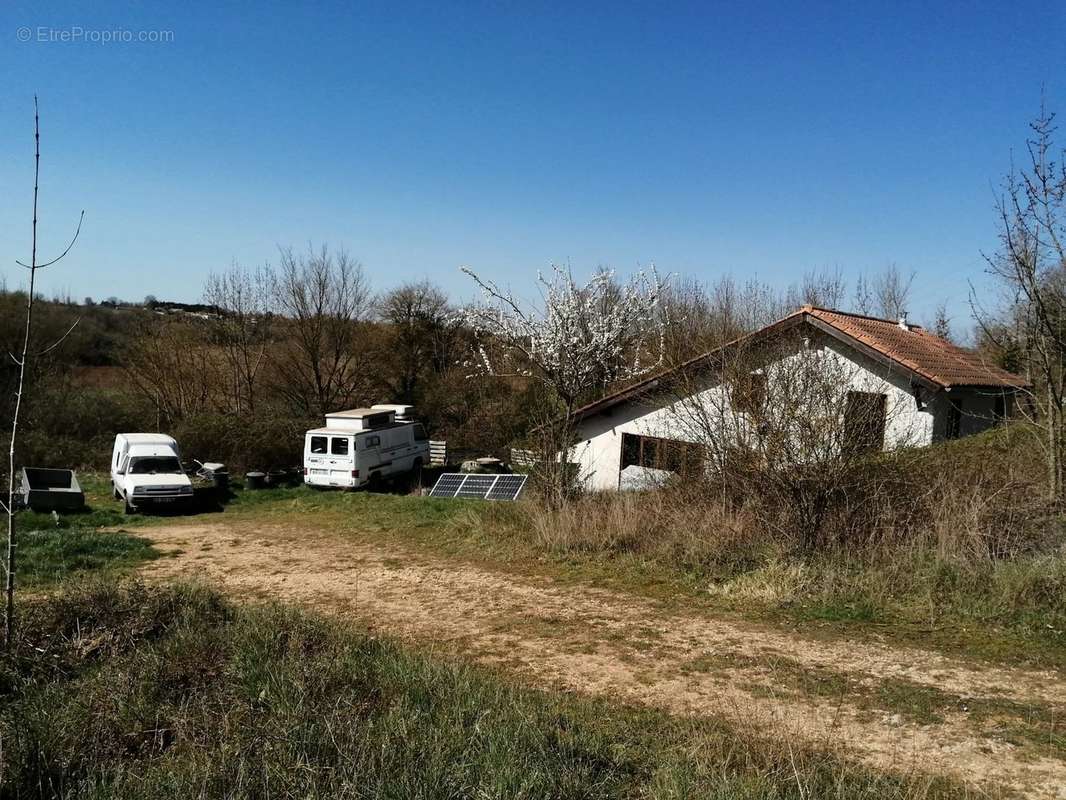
column 356, row 413
column 360, row 419
column 403, row 410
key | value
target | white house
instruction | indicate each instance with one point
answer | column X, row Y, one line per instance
column 899, row 385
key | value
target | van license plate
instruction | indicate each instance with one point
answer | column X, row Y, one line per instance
column 320, row 472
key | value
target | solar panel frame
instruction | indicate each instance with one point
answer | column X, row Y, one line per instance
column 497, row 487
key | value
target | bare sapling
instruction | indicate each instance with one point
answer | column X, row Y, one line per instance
column 790, row 425
column 22, row 360
column 1031, row 269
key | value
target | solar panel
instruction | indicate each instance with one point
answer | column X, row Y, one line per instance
column 479, row 487
column 447, row 485
column 476, row 486
column 507, row 487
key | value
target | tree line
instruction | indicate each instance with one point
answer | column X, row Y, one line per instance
column 307, row 335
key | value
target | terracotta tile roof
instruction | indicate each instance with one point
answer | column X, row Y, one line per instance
column 918, row 350
column 915, row 350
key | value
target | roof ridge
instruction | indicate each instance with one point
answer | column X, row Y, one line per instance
column 911, row 326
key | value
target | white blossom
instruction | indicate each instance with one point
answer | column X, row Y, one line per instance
column 579, row 338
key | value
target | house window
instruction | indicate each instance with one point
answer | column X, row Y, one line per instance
column 749, row 394
column 318, row 445
column 684, row 458
column 864, row 422
column 954, row 418
column 339, row 445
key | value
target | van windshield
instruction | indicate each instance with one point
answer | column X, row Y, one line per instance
column 156, row 465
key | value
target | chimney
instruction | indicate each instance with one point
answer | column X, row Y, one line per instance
column 903, row 320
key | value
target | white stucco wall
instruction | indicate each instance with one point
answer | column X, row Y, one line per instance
column 600, row 436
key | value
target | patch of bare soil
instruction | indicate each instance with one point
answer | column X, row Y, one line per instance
column 617, row 645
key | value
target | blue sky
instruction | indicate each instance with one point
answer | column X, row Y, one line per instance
column 755, row 139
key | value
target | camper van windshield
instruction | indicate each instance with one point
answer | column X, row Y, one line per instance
column 156, row 465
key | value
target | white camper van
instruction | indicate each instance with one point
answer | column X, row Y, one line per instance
column 146, row 471
column 364, row 446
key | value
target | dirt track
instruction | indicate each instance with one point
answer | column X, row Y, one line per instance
column 612, row 644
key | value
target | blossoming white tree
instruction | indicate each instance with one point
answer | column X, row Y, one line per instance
column 577, row 341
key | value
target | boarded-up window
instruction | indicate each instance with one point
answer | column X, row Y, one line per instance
column 749, row 394
column 864, row 421
column 684, row 458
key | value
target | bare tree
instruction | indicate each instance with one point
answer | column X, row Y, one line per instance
column 174, row 364
column 886, row 294
column 1031, row 268
column 242, row 328
column 422, row 337
column 824, row 288
column 942, row 323
column 22, row 361
column 699, row 317
column 323, row 297
column 892, row 290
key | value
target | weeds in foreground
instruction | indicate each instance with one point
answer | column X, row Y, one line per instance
column 137, row 692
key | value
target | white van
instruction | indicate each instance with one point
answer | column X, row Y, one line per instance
column 146, row 471
column 363, row 447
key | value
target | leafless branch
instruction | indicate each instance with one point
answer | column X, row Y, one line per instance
column 77, row 232
column 60, row 340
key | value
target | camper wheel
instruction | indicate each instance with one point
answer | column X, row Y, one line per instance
column 374, row 482
column 127, row 508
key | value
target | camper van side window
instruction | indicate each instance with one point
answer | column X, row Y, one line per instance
column 372, row 441
column 420, row 433
column 339, row 445
column 318, row 445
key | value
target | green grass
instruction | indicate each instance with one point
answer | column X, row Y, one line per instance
column 54, row 548
column 100, row 509
column 126, row 691
column 51, row 556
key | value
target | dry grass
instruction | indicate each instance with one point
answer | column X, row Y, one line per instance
column 677, row 525
column 951, row 535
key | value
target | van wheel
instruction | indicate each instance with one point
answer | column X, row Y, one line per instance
column 127, row 508
column 374, row 482
column 114, row 493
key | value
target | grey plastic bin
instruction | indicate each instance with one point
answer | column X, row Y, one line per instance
column 45, row 489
